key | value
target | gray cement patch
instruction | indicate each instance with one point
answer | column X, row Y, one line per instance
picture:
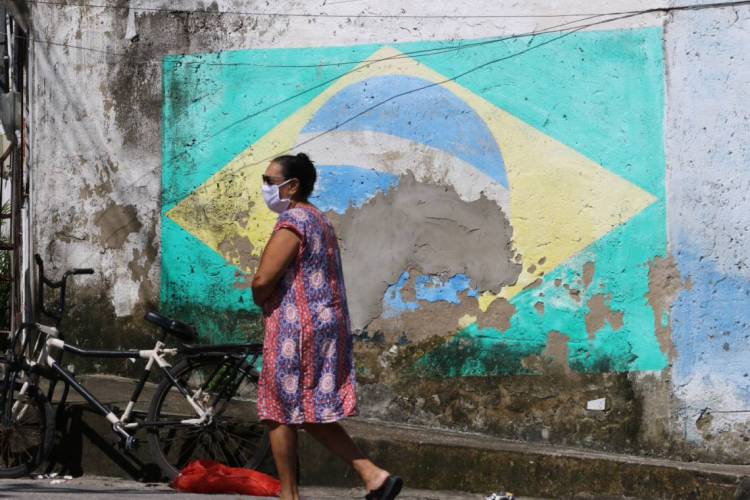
column 425, row 227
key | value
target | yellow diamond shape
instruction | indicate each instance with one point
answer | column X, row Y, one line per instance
column 561, row 201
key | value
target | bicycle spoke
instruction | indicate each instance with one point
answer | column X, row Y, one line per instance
column 6, row 457
column 21, row 442
column 192, row 444
column 169, row 440
column 22, row 437
column 242, row 438
column 29, row 456
column 182, row 436
column 223, row 445
column 215, row 384
column 243, row 458
column 163, row 440
column 214, row 449
column 6, row 453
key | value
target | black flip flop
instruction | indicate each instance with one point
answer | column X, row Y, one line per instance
column 389, row 490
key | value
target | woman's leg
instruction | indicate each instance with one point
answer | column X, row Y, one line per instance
column 284, row 447
column 336, row 439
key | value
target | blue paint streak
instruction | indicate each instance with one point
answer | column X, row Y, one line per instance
column 428, row 289
column 340, row 187
column 432, row 289
column 711, row 324
column 433, row 116
column 393, row 303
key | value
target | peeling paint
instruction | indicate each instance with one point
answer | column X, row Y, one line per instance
column 665, row 283
column 572, row 189
column 588, row 273
column 601, row 313
column 424, row 288
column 554, row 357
column 497, row 316
column 429, row 227
column 116, row 223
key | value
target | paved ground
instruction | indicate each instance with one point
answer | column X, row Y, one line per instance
column 98, row 487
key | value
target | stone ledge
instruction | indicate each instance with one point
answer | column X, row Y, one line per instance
column 439, row 459
column 433, row 459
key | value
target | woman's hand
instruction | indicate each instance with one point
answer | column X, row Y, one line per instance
column 280, row 251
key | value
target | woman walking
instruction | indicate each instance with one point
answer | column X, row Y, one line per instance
column 307, row 379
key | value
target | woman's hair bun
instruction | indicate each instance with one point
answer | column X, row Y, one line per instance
column 304, row 157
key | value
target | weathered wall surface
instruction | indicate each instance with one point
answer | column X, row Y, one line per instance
column 708, row 144
column 510, row 248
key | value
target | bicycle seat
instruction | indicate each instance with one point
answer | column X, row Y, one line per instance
column 181, row 330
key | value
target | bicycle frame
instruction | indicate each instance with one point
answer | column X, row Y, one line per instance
column 121, row 424
column 37, row 349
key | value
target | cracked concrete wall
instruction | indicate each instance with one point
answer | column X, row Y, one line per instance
column 708, row 145
column 509, row 246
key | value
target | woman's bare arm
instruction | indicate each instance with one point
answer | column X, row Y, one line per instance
column 278, row 254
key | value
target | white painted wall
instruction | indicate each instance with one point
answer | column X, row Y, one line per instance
column 708, row 159
column 82, row 165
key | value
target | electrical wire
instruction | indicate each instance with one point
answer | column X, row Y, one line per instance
column 369, row 62
column 430, row 85
column 476, row 68
column 402, row 15
column 417, row 53
column 380, row 103
column 567, row 32
column 410, row 54
column 405, row 54
column 455, row 77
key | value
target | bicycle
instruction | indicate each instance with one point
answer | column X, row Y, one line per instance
column 205, row 406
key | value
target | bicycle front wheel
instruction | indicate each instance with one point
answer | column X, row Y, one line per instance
column 224, row 387
column 27, row 429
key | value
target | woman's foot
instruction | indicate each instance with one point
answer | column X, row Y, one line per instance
column 388, row 490
column 376, row 479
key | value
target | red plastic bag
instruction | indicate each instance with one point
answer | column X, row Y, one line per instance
column 205, row 476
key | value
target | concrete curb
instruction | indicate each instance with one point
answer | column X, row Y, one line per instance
column 430, row 459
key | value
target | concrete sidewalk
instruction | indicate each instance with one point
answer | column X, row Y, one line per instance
column 427, row 458
column 102, row 487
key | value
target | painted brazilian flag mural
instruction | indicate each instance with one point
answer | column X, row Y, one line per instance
column 507, row 201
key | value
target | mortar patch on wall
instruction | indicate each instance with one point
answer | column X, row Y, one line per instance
column 573, row 164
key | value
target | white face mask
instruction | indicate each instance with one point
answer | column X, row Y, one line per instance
column 273, row 199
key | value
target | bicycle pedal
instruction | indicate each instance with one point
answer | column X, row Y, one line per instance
column 130, row 443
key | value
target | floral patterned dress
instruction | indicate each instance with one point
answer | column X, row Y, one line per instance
column 308, row 366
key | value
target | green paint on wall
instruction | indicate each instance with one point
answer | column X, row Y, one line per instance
column 215, row 106
column 600, row 93
column 622, row 264
column 570, row 89
column 220, row 311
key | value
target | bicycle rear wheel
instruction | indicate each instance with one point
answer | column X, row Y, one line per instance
column 26, row 434
column 225, row 386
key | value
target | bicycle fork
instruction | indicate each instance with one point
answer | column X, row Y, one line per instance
column 18, row 410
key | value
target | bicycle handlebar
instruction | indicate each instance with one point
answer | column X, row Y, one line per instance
column 62, row 284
